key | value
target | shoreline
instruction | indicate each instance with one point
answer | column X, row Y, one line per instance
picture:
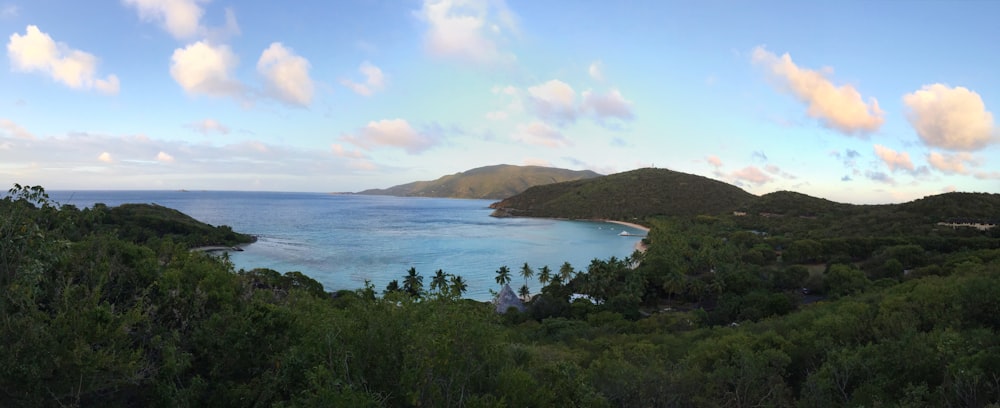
column 639, row 245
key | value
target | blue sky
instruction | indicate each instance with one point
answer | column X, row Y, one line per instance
column 861, row 102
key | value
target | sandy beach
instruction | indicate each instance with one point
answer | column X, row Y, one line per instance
column 639, row 245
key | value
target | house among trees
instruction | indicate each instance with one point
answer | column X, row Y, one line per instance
column 969, row 223
column 507, row 299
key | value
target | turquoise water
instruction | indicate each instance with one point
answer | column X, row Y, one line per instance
column 343, row 240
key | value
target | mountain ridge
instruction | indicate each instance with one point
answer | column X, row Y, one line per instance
column 487, row 182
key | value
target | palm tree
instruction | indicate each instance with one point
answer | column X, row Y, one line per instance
column 566, row 272
column 458, row 285
column 440, row 281
column 503, row 276
column 527, row 272
column 413, row 283
column 544, row 275
column 393, row 286
column 524, row 291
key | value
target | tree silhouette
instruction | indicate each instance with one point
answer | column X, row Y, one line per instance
column 527, row 272
column 413, row 283
column 524, row 292
column 503, row 276
column 439, row 283
column 566, row 272
column 458, row 285
column 544, row 275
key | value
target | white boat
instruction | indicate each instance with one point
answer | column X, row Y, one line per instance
column 623, row 233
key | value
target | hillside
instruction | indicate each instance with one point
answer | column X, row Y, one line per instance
column 494, row 182
column 625, row 196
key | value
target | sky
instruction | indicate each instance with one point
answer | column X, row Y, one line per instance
column 858, row 102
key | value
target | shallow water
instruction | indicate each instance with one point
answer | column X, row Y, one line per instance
column 343, row 240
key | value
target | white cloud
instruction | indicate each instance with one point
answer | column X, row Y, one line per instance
column 203, row 68
column 9, row 11
column 374, row 80
column 467, row 30
column 390, row 133
column 207, row 126
column 714, row 161
column 15, row 130
column 596, row 70
column 541, row 134
column 37, row 51
column 950, row 118
column 951, row 163
column 839, row 107
column 340, row 151
column 181, row 18
column 163, row 157
column 286, row 75
column 893, row 159
column 610, row 105
column 553, row 100
column 105, row 157
column 752, row 174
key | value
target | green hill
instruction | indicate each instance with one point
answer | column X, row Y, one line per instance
column 624, row 196
column 495, row 182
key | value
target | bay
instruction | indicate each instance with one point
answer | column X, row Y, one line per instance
column 342, row 240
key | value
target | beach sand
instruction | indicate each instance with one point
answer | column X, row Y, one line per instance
column 639, row 245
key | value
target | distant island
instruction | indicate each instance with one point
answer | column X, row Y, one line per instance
column 490, row 182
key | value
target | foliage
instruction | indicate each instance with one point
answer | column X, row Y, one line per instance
column 485, row 182
column 90, row 318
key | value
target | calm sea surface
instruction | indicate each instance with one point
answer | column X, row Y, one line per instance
column 342, row 240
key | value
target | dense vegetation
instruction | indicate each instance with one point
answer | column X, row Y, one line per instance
column 485, row 182
column 712, row 314
column 630, row 195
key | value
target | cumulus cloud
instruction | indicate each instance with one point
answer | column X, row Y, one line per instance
column 714, row 161
column 774, row 169
column 164, row 157
column 468, row 30
column 105, row 157
column 15, row 130
column 286, row 75
column 894, row 160
column 541, row 134
column 181, row 18
column 36, row 51
column 208, row 126
column 204, row 68
column 553, row 100
column 752, row 174
column 596, row 70
column 838, row 107
column 390, row 133
column 610, row 105
column 951, row 163
column 374, row 80
column 953, row 118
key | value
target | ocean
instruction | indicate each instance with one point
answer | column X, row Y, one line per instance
column 341, row 240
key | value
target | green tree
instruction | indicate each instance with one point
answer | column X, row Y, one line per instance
column 503, row 276
column 527, row 272
column 566, row 272
column 439, row 283
column 458, row 285
column 544, row 275
column 843, row 280
column 413, row 283
column 524, row 291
